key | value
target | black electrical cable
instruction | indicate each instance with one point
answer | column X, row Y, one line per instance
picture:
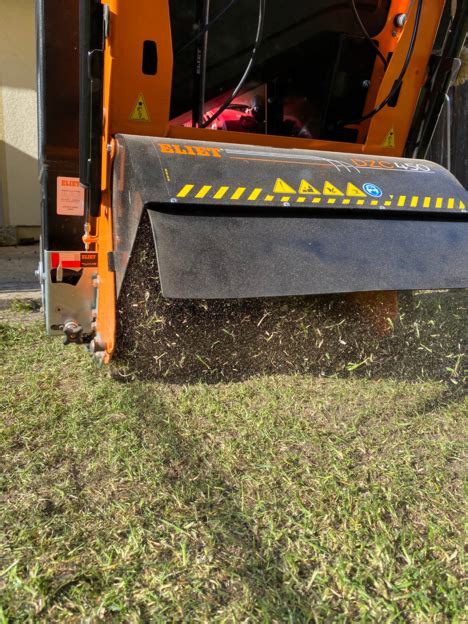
column 235, row 93
column 201, row 31
column 366, row 33
column 398, row 82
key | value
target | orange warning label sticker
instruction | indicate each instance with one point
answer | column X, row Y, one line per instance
column 89, row 260
column 354, row 191
column 140, row 110
column 70, row 197
column 331, row 189
column 389, row 140
column 283, row 187
column 307, row 189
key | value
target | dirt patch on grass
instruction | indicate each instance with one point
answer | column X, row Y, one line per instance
column 189, row 341
column 21, row 315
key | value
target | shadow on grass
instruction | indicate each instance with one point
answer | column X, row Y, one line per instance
column 192, row 341
column 246, row 557
column 237, row 543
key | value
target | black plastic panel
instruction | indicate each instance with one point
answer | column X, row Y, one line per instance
column 199, row 173
column 222, row 229
column 58, row 115
column 91, row 72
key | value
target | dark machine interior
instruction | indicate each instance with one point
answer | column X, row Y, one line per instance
column 312, row 68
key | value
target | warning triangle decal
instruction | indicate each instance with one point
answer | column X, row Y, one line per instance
column 462, row 205
column 354, row 191
column 308, row 189
column 330, row 189
column 282, row 187
column 140, row 110
column 389, row 140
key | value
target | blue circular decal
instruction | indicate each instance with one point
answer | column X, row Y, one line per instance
column 373, row 190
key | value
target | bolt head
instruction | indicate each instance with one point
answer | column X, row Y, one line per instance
column 401, row 19
column 97, row 346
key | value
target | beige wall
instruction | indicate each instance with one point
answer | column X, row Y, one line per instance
column 19, row 199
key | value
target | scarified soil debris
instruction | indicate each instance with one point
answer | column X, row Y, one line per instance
column 189, row 341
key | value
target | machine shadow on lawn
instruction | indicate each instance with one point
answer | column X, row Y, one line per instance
column 219, row 504
column 261, row 556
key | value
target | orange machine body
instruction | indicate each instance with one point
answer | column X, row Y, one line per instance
column 127, row 90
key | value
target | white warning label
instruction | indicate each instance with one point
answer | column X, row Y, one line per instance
column 70, row 197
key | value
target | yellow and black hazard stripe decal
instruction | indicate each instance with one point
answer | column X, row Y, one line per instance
column 331, row 196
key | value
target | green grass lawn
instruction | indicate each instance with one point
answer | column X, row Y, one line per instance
column 279, row 498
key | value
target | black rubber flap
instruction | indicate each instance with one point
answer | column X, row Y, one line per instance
column 207, row 256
